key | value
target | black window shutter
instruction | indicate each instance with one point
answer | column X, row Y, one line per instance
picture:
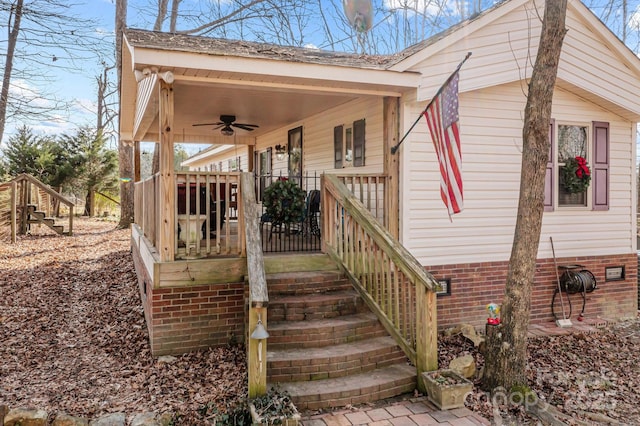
column 549, row 181
column 337, row 146
column 358, row 143
column 600, row 166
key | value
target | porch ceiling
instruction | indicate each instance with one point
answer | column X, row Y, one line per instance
column 270, row 108
column 270, row 92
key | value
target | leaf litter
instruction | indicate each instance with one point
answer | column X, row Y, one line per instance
column 73, row 338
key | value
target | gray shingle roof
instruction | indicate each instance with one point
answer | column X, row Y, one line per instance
column 248, row 49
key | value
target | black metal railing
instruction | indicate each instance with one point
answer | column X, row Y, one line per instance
column 302, row 236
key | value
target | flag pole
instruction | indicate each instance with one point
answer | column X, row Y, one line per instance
column 395, row 148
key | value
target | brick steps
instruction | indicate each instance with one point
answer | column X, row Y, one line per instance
column 292, row 283
column 326, row 348
column 324, row 332
column 293, row 365
column 306, row 307
column 355, row 389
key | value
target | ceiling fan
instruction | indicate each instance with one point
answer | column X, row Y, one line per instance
column 226, row 124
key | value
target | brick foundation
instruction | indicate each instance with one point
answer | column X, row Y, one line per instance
column 184, row 319
column 474, row 285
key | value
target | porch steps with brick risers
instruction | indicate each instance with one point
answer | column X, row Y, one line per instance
column 326, row 348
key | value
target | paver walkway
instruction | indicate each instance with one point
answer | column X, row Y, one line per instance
column 411, row 412
column 419, row 411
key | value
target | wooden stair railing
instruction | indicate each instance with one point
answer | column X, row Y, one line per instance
column 25, row 194
column 258, row 293
column 390, row 280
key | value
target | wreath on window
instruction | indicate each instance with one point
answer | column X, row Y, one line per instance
column 575, row 175
column 284, row 202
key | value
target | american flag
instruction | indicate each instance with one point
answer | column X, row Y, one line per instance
column 442, row 118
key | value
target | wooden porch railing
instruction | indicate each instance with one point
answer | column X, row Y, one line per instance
column 206, row 213
column 371, row 191
column 24, row 192
column 390, row 280
column 145, row 207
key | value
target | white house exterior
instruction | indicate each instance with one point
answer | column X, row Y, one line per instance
column 596, row 94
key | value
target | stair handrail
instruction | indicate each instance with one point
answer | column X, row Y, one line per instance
column 46, row 188
column 258, row 292
column 24, row 177
column 388, row 277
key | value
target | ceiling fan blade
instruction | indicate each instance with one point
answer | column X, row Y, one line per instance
column 249, row 127
column 219, row 123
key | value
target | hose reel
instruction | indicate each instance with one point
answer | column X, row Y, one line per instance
column 575, row 279
column 581, row 281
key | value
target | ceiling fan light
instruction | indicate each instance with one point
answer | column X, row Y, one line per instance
column 227, row 131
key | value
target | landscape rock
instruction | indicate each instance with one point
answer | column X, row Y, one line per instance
column 167, row 358
column 166, row 419
column 113, row 419
column 145, row 419
column 469, row 332
column 464, row 365
column 63, row 419
column 25, row 417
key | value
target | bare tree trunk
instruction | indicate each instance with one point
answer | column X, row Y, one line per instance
column 162, row 13
column 89, row 203
column 16, row 11
column 173, row 19
column 125, row 152
column 506, row 358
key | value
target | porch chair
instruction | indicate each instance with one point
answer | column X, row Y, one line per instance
column 213, row 206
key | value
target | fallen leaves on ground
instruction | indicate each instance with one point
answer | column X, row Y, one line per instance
column 577, row 373
column 73, row 336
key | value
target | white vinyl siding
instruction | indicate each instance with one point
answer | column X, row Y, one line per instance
column 491, row 139
column 505, row 51
column 231, row 153
column 317, row 138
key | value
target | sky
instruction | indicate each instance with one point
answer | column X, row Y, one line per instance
column 81, row 86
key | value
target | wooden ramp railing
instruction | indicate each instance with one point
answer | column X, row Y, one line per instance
column 391, row 281
column 26, row 200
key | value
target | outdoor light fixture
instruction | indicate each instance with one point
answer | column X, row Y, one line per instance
column 141, row 75
column 280, row 151
column 259, row 333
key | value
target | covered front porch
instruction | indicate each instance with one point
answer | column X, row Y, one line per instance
column 205, row 252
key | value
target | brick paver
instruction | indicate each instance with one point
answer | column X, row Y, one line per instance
column 402, row 421
column 443, row 416
column 379, row 414
column 381, row 423
column 423, row 419
column 358, row 418
column 398, row 410
column 337, row 420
